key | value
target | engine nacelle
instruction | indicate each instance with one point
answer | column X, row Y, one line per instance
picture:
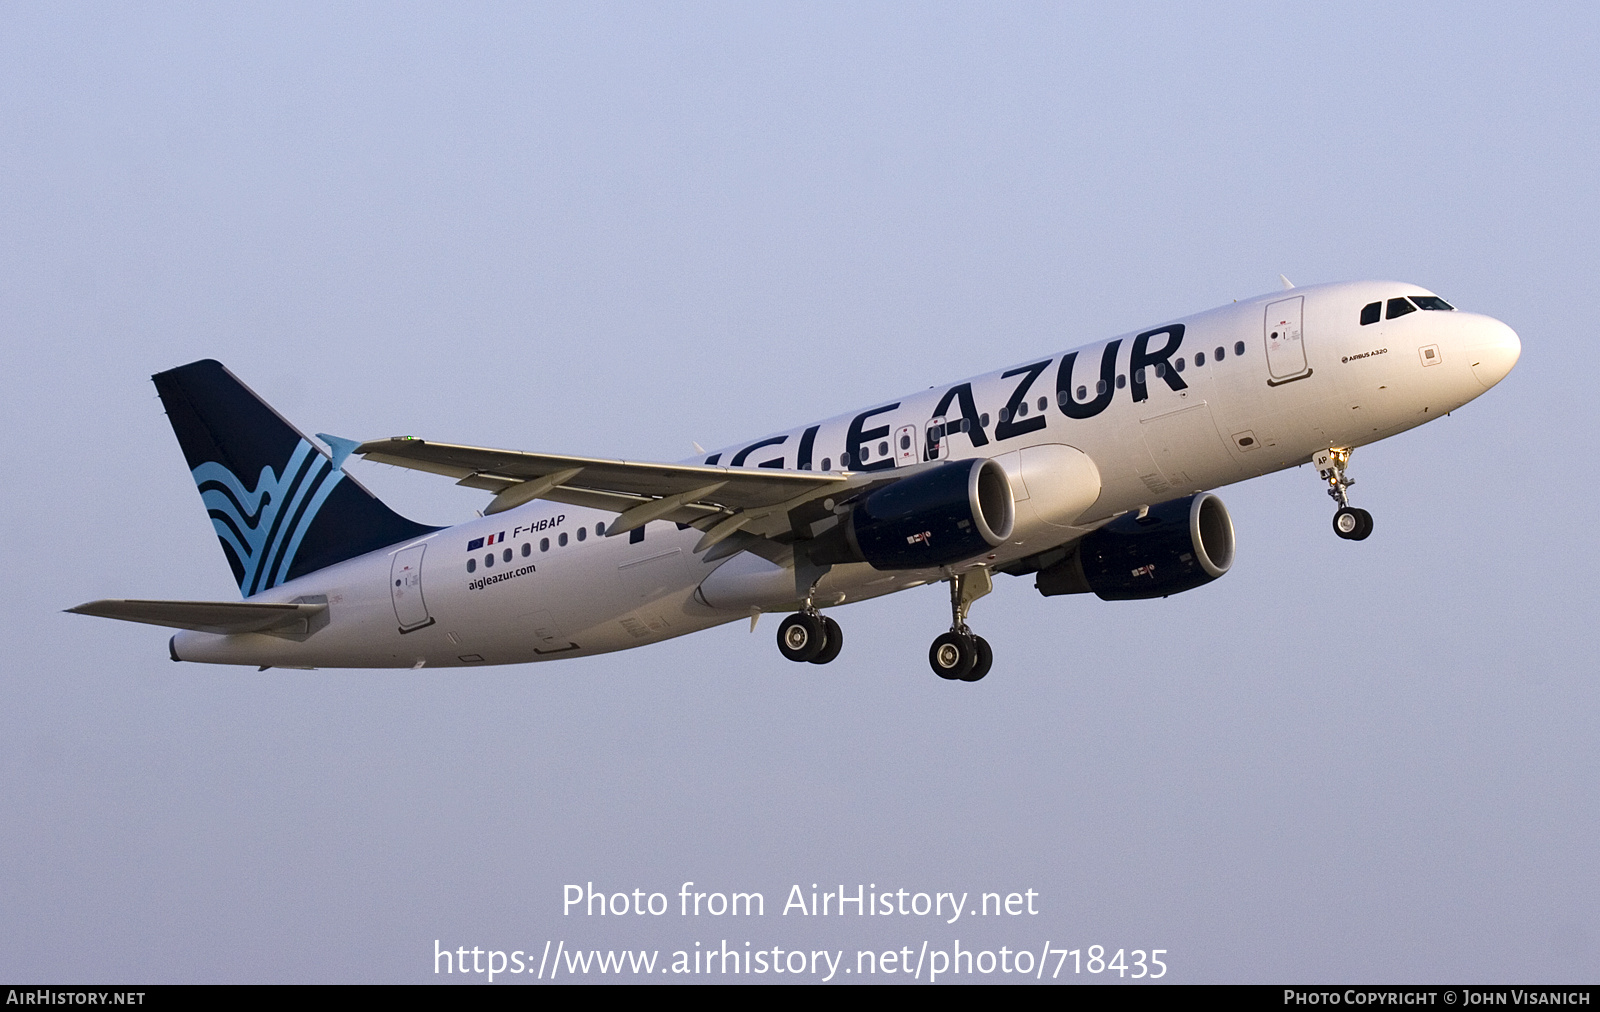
column 934, row 518
column 1175, row 546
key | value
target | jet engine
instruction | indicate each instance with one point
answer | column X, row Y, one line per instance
column 1166, row 549
column 933, row 518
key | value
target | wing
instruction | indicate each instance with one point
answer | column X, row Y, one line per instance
column 720, row 501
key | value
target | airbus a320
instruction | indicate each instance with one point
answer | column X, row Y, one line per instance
column 1088, row 471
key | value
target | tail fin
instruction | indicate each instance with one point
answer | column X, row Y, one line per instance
column 279, row 507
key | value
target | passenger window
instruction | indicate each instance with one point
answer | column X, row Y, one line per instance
column 562, row 539
column 1083, row 393
column 1219, row 353
column 488, row 561
column 544, row 544
column 583, row 533
column 1400, row 307
column 1371, row 312
column 599, row 529
column 905, row 442
column 827, row 463
column 983, row 420
column 472, row 565
column 1022, row 410
column 1063, row 398
column 1199, row 359
column 1122, row 381
column 1238, row 348
column 1161, row 369
column 844, row 459
column 1043, row 403
column 1099, row 387
column 1431, row 302
column 527, row 549
column 883, row 448
column 506, row 555
column 1178, row 365
column 1138, row 375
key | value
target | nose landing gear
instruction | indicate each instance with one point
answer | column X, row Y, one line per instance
column 961, row 654
column 1349, row 522
column 1352, row 524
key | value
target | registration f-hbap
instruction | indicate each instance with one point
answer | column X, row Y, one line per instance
column 1087, row 471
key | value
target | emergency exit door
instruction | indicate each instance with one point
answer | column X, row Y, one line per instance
column 906, row 450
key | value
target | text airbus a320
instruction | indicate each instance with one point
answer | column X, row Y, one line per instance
column 1088, row 470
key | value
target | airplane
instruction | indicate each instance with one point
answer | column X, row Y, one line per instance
column 1087, row 470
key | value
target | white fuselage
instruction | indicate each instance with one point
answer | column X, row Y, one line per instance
column 1310, row 376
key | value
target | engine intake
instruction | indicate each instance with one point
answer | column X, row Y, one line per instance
column 933, row 518
column 1176, row 546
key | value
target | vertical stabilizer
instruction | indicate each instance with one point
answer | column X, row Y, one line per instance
column 279, row 506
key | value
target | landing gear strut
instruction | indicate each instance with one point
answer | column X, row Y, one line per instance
column 1349, row 523
column 960, row 653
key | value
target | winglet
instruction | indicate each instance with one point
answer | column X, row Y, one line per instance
column 342, row 448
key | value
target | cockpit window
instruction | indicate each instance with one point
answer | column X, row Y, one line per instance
column 1400, row 307
column 1431, row 302
column 1372, row 312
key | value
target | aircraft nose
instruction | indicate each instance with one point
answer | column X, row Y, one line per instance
column 1493, row 350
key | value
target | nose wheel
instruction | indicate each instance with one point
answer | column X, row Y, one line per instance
column 1352, row 524
column 961, row 654
column 1349, row 522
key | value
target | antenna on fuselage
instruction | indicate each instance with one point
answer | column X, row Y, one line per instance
column 1287, row 284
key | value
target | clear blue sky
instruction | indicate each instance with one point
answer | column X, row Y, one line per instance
column 615, row 229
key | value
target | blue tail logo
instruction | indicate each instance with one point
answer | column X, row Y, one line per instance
column 302, row 513
column 264, row 526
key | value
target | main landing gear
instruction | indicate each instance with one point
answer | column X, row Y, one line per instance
column 810, row 636
column 961, row 654
column 1349, row 523
column 958, row 655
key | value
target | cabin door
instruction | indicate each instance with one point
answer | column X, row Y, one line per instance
column 1286, row 350
column 405, row 589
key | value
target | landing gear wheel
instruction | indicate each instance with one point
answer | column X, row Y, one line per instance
column 1352, row 524
column 1366, row 526
column 982, row 662
column 801, row 637
column 835, row 641
column 1346, row 523
column 953, row 655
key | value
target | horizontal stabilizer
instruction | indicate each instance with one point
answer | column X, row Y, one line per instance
column 221, row 617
